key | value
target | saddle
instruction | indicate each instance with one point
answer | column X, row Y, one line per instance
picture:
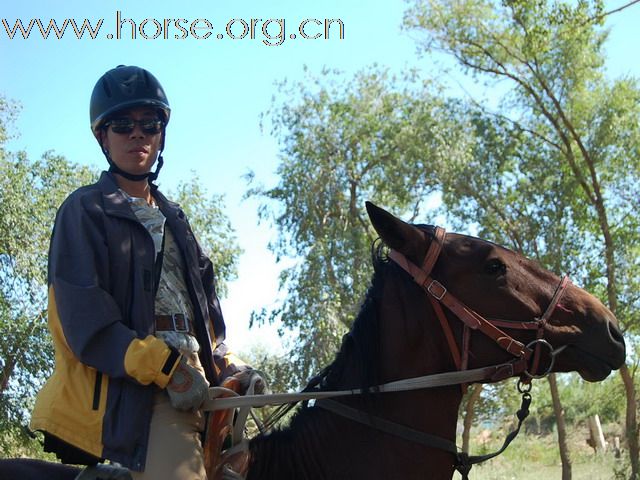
column 226, row 453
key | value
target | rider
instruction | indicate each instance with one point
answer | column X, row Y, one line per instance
column 133, row 310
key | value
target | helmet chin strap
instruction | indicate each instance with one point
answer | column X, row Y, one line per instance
column 150, row 176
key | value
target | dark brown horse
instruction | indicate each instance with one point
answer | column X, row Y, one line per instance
column 398, row 335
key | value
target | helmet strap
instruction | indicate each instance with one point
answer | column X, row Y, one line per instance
column 151, row 176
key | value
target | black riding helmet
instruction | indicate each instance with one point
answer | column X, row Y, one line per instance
column 122, row 88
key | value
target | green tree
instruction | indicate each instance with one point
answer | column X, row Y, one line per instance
column 553, row 168
column 582, row 127
column 343, row 141
column 212, row 227
column 30, row 193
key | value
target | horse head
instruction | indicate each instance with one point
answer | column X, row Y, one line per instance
column 558, row 326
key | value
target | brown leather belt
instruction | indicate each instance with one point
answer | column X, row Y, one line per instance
column 178, row 322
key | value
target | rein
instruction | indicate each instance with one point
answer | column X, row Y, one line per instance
column 463, row 461
column 221, row 398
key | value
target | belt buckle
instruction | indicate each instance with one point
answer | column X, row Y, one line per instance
column 180, row 322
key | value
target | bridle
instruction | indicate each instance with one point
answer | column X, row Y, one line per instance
column 439, row 295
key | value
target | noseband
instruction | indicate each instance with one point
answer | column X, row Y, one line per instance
column 439, row 295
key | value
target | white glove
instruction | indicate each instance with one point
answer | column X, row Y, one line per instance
column 187, row 388
column 248, row 377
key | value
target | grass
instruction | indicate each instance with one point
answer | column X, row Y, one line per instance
column 529, row 457
column 536, row 457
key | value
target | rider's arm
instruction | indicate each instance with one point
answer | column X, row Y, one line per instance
column 83, row 316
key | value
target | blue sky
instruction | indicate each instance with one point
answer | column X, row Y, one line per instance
column 217, row 88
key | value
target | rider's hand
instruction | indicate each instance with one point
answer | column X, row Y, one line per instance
column 248, row 376
column 187, row 388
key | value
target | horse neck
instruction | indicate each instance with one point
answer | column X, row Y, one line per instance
column 304, row 449
column 415, row 345
column 319, row 445
column 322, row 445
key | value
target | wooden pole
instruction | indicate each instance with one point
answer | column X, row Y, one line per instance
column 597, row 437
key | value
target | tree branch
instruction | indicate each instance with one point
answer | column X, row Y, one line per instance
column 610, row 12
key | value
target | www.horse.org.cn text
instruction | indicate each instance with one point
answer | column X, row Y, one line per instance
column 271, row 31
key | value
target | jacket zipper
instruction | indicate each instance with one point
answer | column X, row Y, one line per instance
column 97, row 389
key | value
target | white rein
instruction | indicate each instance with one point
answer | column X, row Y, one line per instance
column 221, row 398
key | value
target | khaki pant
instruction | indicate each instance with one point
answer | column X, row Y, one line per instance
column 175, row 450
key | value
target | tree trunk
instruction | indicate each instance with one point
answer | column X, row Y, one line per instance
column 469, row 411
column 562, row 429
column 7, row 371
column 631, row 424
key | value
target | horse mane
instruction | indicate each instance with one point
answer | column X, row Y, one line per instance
column 362, row 343
column 360, row 346
column 293, row 447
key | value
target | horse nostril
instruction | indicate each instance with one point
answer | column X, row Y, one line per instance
column 615, row 332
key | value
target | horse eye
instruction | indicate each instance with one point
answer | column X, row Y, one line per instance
column 495, row 267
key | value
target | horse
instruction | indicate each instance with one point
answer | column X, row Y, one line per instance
column 437, row 303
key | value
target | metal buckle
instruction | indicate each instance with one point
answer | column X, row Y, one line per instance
column 552, row 352
column 438, row 285
column 519, row 347
column 183, row 320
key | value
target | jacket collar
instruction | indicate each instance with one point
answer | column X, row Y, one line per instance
column 114, row 201
column 116, row 204
column 176, row 218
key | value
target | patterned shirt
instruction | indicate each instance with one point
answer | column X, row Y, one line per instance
column 172, row 296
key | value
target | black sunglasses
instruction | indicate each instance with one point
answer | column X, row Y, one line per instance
column 149, row 126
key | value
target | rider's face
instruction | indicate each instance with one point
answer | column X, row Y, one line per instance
column 134, row 152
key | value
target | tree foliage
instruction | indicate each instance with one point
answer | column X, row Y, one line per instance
column 582, row 127
column 213, row 228
column 30, row 193
column 343, row 141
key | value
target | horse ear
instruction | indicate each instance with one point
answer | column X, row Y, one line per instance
column 399, row 235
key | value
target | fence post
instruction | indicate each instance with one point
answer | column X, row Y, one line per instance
column 597, row 437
